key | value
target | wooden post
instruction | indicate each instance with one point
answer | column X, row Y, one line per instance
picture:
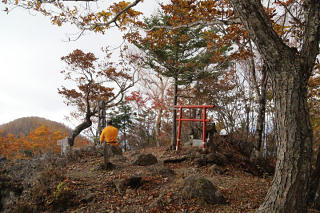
column 179, row 129
column 204, row 116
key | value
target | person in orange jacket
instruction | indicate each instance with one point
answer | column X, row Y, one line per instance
column 109, row 135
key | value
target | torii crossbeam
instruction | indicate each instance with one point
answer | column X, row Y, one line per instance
column 204, row 120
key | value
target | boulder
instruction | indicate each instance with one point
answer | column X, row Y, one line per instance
column 88, row 198
column 215, row 169
column 217, row 158
column 201, row 189
column 145, row 160
column 133, row 182
column 161, row 170
column 74, row 155
column 202, row 161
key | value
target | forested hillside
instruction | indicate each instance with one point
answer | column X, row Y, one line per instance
column 32, row 136
column 25, row 125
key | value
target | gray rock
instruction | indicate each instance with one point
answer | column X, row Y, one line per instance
column 145, row 160
column 161, row 170
column 166, row 172
column 88, row 198
column 60, row 162
column 133, row 182
column 217, row 158
column 73, row 155
column 202, row 189
column 215, row 169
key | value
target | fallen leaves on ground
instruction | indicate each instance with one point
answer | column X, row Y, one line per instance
column 244, row 192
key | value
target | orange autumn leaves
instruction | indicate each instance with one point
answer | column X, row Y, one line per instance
column 37, row 142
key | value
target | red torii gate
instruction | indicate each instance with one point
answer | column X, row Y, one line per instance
column 203, row 120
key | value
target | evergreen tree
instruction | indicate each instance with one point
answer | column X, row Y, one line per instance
column 181, row 54
column 122, row 118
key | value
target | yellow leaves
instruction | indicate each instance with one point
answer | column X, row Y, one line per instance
column 280, row 29
column 128, row 16
column 39, row 141
column 56, row 20
column 117, row 7
column 104, row 15
column 38, row 5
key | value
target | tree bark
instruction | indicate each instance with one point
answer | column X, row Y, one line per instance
column 85, row 124
column 247, row 108
column 261, row 112
column 158, row 126
column 314, row 189
column 289, row 188
column 101, row 118
column 289, row 70
column 174, row 117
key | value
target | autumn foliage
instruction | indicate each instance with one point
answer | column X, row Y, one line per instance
column 37, row 142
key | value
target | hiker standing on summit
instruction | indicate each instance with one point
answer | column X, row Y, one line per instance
column 109, row 135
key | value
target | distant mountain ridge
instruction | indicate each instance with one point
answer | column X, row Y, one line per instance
column 22, row 126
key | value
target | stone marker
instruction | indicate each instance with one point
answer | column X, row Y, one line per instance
column 65, row 147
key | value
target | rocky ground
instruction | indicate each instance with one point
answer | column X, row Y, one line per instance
column 148, row 180
column 162, row 185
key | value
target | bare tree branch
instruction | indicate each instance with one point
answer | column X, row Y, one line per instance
column 201, row 22
column 288, row 11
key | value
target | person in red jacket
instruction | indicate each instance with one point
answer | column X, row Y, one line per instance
column 109, row 136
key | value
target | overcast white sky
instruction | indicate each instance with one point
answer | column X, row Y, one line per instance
column 30, row 64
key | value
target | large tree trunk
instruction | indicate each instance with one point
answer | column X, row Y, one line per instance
column 289, row 71
column 289, row 188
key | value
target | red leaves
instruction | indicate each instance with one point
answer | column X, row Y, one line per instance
column 137, row 98
column 80, row 59
column 91, row 79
